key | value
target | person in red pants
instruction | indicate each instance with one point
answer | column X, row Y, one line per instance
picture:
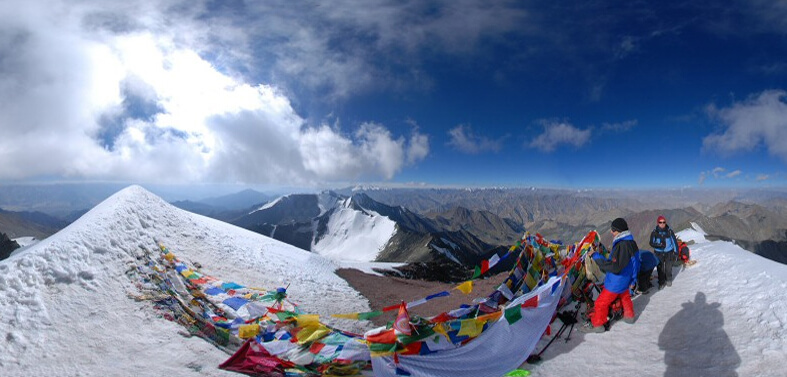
column 621, row 268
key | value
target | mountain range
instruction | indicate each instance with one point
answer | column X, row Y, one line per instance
column 455, row 226
column 362, row 229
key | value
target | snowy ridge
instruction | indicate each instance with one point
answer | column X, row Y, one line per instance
column 268, row 204
column 327, row 201
column 64, row 300
column 445, row 252
column 354, row 235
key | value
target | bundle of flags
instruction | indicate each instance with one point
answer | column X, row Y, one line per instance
column 262, row 329
column 269, row 334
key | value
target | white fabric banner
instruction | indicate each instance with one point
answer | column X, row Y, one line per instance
column 495, row 352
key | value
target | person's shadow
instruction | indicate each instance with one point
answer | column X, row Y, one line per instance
column 695, row 344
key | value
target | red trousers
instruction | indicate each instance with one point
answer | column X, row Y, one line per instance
column 604, row 300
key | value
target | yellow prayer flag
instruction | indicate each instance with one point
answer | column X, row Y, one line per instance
column 470, row 327
column 530, row 281
column 465, row 287
column 186, row 273
column 248, row 331
column 169, row 256
column 306, row 320
column 346, row 316
column 312, row 333
column 440, row 329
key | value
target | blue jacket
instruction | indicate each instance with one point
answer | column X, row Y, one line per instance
column 622, row 265
column 648, row 261
column 663, row 240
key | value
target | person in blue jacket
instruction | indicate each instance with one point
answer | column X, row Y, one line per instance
column 648, row 262
column 665, row 244
column 620, row 268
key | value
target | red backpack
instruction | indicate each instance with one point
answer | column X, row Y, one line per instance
column 683, row 252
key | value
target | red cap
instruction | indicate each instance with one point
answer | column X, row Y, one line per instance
column 662, row 218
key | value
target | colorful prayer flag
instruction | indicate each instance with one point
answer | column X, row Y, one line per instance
column 248, row 331
column 402, row 322
column 465, row 287
column 513, row 314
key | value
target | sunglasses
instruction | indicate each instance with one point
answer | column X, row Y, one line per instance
column 662, row 222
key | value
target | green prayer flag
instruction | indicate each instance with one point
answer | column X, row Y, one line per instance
column 517, row 373
column 513, row 314
column 476, row 273
column 222, row 336
column 283, row 316
column 422, row 333
column 369, row 315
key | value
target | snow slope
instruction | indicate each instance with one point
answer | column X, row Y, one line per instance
column 354, row 235
column 64, row 304
column 724, row 316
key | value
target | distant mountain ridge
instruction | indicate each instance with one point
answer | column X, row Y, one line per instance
column 33, row 224
column 309, row 221
column 462, row 226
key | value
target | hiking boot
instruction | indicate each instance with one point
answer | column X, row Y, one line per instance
column 630, row 321
column 661, row 286
column 642, row 291
column 669, row 283
column 588, row 328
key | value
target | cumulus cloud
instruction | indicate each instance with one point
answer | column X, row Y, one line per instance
column 98, row 91
column 759, row 121
column 717, row 170
column 733, row 174
column 557, row 133
column 463, row 139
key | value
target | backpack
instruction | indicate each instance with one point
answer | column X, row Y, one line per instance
column 683, row 252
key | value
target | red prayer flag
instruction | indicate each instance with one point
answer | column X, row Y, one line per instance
column 316, row 347
column 531, row 302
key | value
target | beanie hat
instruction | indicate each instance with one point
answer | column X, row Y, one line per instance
column 662, row 218
column 619, row 225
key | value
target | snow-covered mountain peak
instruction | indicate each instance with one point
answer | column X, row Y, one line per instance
column 65, row 304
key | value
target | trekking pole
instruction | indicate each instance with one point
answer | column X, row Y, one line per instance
column 568, row 318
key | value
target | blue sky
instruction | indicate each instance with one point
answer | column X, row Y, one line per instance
column 404, row 93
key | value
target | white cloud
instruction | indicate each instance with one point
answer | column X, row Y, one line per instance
column 718, row 173
column 463, row 139
column 763, row 177
column 557, row 133
column 759, row 121
column 96, row 91
column 619, row 127
column 418, row 147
